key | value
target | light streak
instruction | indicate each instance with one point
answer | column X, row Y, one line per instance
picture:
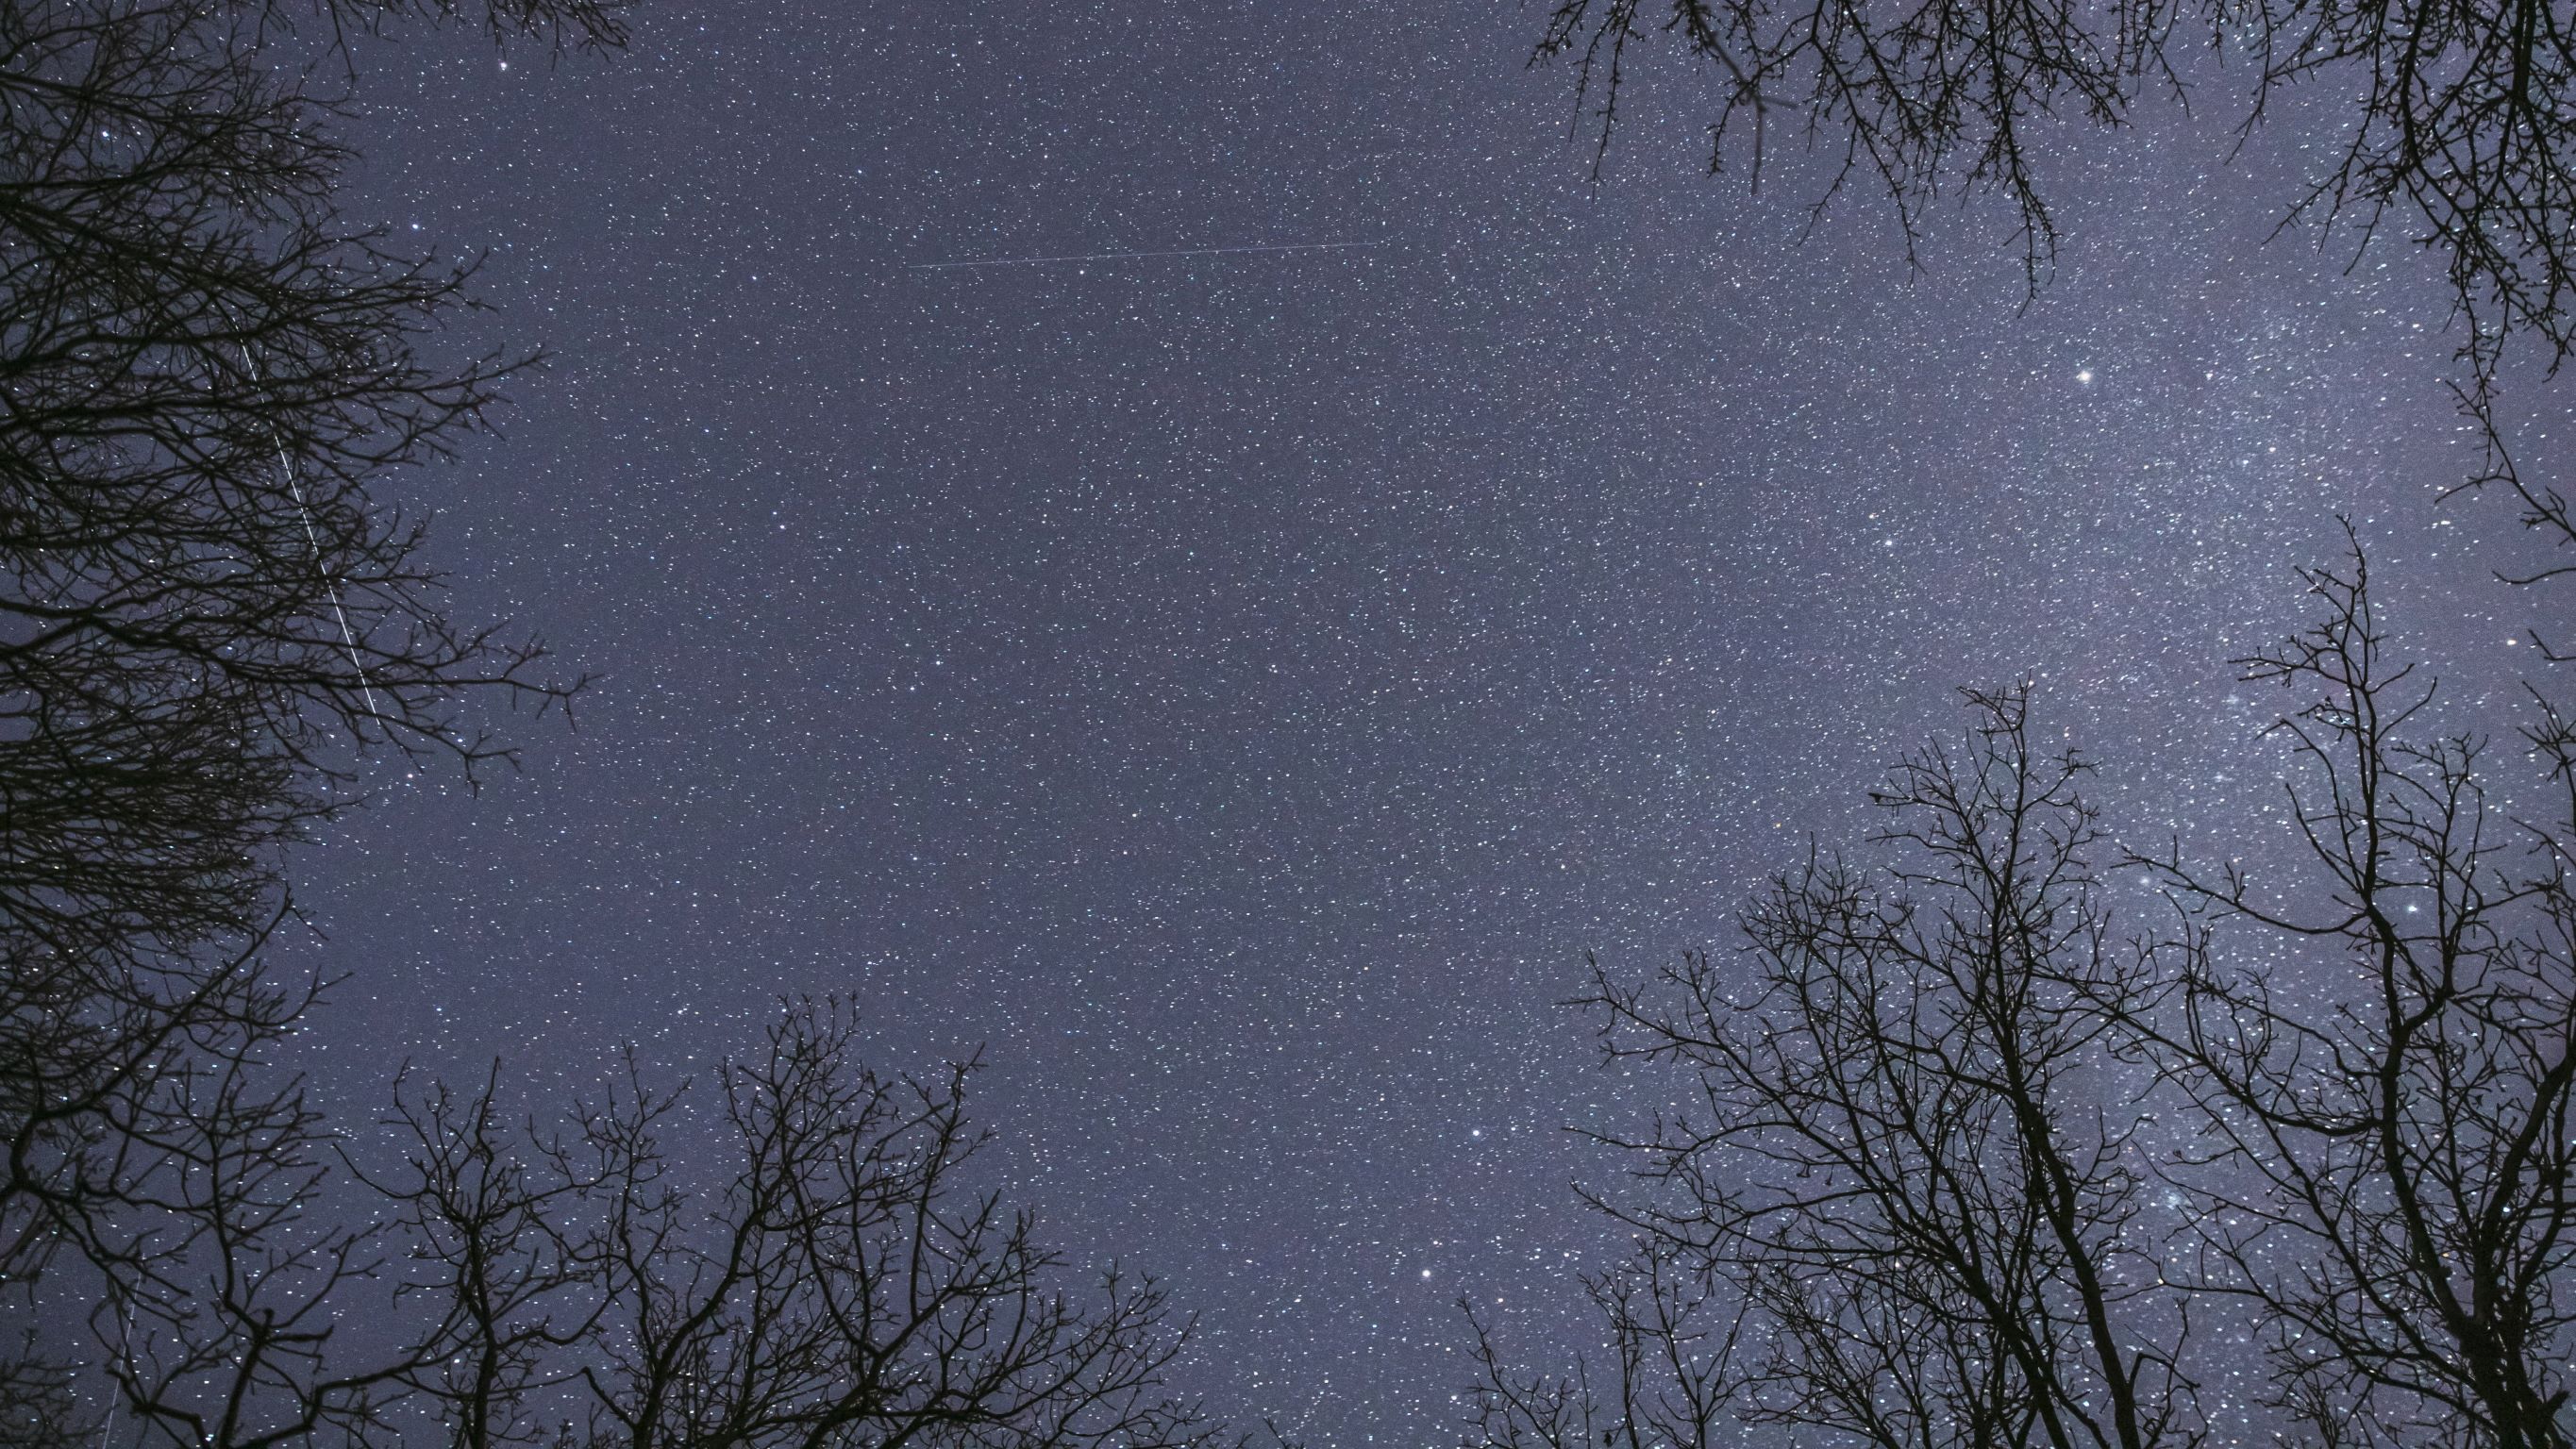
column 1134, row 256
column 312, row 539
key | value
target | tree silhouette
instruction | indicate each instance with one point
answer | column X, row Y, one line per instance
column 2390, row 1180
column 819, row 1274
column 207, row 615
column 1910, row 1204
column 1901, row 1209
column 2461, row 122
column 209, row 619
column 844, row 1286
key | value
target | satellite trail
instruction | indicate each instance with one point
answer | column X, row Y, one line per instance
column 1133, row 256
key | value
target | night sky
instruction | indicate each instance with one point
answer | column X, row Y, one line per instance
column 1234, row 691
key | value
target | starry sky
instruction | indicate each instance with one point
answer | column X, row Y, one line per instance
column 1234, row 691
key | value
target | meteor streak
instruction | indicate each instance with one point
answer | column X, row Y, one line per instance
column 1132, row 256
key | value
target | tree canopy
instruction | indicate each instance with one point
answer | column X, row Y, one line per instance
column 2456, row 121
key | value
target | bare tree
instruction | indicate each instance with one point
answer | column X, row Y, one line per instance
column 1907, row 1170
column 221, row 1321
column 2386, row 1177
column 1667, row 1384
column 208, row 615
column 831, row 1283
column 844, row 1287
column 2463, row 118
column 1909, row 99
column 2545, row 512
column 495, row 1269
